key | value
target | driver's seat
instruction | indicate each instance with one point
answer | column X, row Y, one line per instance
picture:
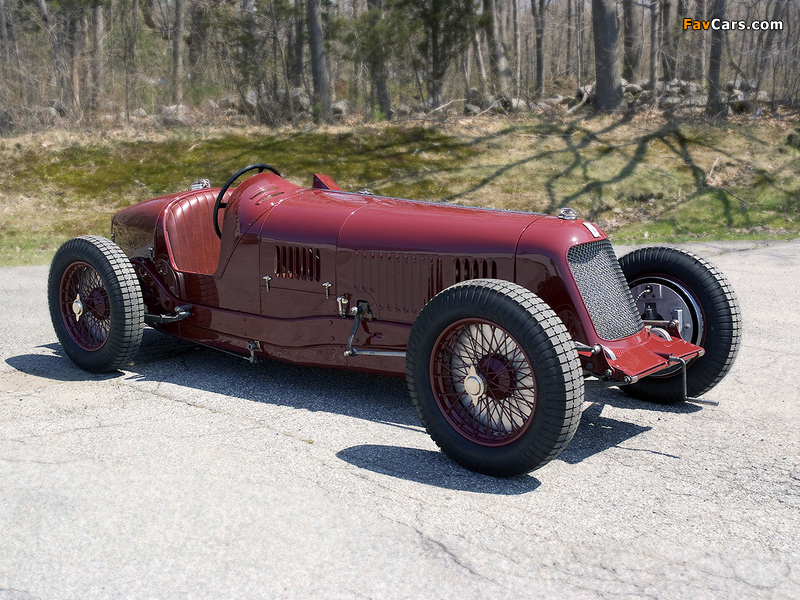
column 193, row 244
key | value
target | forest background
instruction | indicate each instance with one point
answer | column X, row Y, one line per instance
column 652, row 130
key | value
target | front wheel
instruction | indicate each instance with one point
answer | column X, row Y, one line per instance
column 95, row 304
column 671, row 284
column 494, row 377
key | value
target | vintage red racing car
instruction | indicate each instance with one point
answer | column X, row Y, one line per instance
column 498, row 320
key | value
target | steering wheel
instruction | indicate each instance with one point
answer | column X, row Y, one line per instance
column 220, row 204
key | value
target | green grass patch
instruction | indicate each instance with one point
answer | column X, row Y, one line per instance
column 641, row 180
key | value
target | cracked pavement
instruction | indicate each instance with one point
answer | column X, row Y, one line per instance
column 193, row 474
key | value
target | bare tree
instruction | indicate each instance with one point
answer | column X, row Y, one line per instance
column 319, row 69
column 715, row 106
column 538, row 17
column 177, row 54
column 378, row 58
column 630, row 42
column 501, row 74
column 97, row 57
column 609, row 86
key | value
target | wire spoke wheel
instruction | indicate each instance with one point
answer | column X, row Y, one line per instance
column 85, row 308
column 95, row 303
column 494, row 377
column 483, row 382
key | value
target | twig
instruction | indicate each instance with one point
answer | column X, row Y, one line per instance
column 739, row 198
column 577, row 106
column 711, row 172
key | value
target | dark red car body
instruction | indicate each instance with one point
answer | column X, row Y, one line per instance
column 288, row 256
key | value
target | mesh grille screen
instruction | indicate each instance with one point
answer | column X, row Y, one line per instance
column 605, row 292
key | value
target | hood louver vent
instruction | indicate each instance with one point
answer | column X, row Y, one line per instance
column 296, row 262
column 473, row 268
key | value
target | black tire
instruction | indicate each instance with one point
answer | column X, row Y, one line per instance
column 522, row 403
column 100, row 331
column 716, row 321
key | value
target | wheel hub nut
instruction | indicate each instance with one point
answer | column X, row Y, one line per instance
column 77, row 307
column 474, row 384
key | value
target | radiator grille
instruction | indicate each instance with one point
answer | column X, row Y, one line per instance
column 295, row 262
column 604, row 289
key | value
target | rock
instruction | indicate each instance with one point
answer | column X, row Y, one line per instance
column 634, row 89
column 174, row 109
column 7, row 124
column 209, row 106
column 794, row 139
column 139, row 112
column 516, row 105
column 300, row 100
column 177, row 115
column 690, row 87
column 490, row 104
column 669, row 102
column 472, row 110
column 696, row 100
column 57, row 105
column 229, row 103
column 743, row 85
column 474, row 97
column 340, row 108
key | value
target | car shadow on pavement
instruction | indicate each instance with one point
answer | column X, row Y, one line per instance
column 163, row 359
column 56, row 366
column 432, row 468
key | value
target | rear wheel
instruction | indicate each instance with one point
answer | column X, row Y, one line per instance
column 494, row 377
column 95, row 304
column 686, row 288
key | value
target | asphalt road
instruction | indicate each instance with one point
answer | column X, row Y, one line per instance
column 196, row 475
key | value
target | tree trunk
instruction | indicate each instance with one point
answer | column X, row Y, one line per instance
column 177, row 54
column 378, row 63
column 4, row 34
column 482, row 78
column 766, row 48
column 296, row 71
column 631, row 48
column 98, row 31
column 437, row 76
column 134, row 39
column 501, row 74
column 653, row 45
column 540, row 50
column 579, row 39
column 667, row 49
column 74, row 38
column 715, row 105
column 319, row 71
column 604, row 24
column 570, row 28
column 517, row 47
column 700, row 59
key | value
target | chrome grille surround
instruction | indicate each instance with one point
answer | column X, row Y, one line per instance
column 604, row 290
